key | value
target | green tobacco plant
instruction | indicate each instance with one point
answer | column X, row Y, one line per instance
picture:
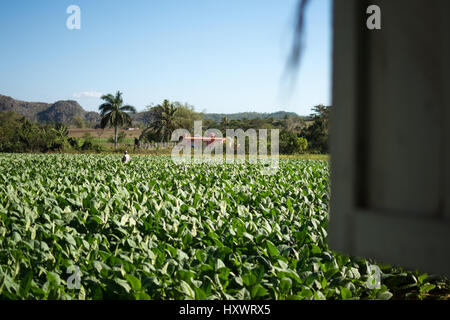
column 157, row 230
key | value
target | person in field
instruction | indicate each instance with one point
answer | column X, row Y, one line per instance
column 126, row 157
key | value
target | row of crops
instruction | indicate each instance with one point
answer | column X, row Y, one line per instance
column 89, row 227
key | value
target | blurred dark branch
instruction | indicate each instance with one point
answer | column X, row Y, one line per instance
column 297, row 46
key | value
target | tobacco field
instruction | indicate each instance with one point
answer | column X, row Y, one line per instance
column 153, row 229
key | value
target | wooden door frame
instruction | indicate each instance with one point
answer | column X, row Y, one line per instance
column 354, row 229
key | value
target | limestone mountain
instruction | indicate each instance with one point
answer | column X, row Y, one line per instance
column 60, row 111
column 27, row 109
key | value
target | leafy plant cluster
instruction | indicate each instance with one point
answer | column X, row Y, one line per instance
column 18, row 134
column 152, row 229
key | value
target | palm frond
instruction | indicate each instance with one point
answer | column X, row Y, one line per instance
column 127, row 119
column 108, row 98
column 128, row 108
column 118, row 98
column 105, row 107
column 105, row 121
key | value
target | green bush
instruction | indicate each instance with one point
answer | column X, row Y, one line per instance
column 18, row 134
column 74, row 143
column 87, row 145
column 290, row 143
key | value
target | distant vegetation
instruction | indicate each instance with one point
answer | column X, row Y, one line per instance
column 249, row 115
column 18, row 134
column 40, row 127
column 297, row 134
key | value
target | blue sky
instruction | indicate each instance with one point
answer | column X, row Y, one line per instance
column 219, row 55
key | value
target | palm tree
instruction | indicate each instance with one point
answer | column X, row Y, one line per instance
column 163, row 119
column 114, row 113
column 224, row 123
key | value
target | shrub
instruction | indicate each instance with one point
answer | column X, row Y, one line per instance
column 74, row 142
column 87, row 145
column 290, row 143
column 18, row 134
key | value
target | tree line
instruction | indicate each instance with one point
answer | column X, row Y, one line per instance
column 18, row 134
column 297, row 134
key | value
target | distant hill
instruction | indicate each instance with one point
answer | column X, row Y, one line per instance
column 92, row 117
column 60, row 111
column 65, row 112
column 141, row 117
column 27, row 109
column 249, row 115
